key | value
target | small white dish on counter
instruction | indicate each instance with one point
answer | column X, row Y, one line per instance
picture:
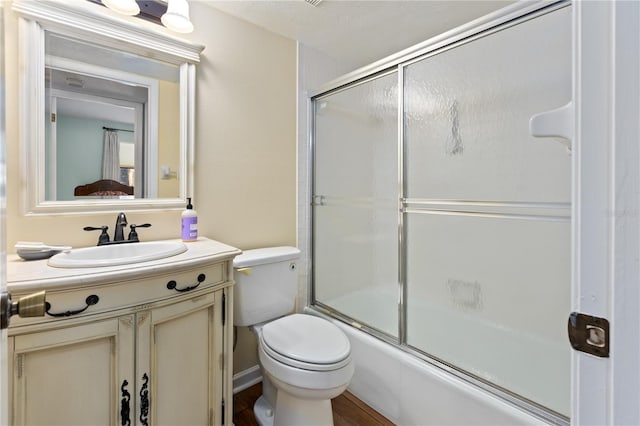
column 38, row 250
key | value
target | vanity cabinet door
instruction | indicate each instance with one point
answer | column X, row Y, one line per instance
column 179, row 362
column 77, row 375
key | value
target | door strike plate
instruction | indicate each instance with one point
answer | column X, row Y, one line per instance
column 589, row 334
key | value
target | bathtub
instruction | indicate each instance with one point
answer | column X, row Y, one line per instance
column 410, row 391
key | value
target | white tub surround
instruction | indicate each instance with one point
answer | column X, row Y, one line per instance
column 409, row 391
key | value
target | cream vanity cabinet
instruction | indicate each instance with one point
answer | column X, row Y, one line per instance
column 152, row 347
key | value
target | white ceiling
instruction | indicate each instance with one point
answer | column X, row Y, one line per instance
column 358, row 32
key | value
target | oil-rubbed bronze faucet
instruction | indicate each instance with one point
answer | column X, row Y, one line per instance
column 118, row 234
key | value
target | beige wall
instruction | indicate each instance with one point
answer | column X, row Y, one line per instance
column 245, row 173
column 246, row 153
column 246, row 114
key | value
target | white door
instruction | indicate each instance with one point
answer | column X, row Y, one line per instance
column 606, row 192
column 603, row 124
column 3, row 275
column 4, row 398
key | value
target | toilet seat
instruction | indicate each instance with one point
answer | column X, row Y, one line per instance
column 306, row 342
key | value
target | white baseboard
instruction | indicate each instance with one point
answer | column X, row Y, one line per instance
column 246, row 378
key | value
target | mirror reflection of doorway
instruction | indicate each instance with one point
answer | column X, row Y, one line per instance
column 75, row 138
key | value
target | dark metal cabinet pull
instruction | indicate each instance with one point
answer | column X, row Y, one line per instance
column 125, row 408
column 144, row 400
column 171, row 285
column 91, row 300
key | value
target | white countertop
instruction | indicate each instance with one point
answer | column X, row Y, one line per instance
column 34, row 275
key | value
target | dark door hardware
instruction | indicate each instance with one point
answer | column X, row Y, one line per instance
column 91, row 300
column 144, row 400
column 589, row 334
column 171, row 285
column 224, row 309
column 125, row 407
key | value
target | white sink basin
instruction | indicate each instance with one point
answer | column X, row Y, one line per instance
column 117, row 254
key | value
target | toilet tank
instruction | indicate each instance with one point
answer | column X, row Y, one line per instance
column 266, row 284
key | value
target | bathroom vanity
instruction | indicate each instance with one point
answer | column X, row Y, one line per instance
column 144, row 343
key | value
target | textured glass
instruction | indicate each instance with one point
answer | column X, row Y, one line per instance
column 356, row 202
column 467, row 112
column 489, row 294
column 487, row 232
column 356, row 263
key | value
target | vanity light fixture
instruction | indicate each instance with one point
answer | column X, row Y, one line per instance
column 125, row 7
column 177, row 17
column 173, row 14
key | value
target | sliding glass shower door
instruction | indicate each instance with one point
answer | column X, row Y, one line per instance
column 450, row 233
column 355, row 203
column 487, row 219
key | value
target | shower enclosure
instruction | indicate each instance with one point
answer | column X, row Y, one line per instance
column 439, row 224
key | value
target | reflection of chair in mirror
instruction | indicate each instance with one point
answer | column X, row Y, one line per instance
column 104, row 187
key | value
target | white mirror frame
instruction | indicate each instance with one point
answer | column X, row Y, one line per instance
column 89, row 21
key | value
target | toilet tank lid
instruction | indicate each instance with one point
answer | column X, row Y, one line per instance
column 265, row 255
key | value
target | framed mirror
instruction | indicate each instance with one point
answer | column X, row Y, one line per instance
column 107, row 103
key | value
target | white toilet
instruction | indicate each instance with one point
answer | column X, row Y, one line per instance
column 305, row 360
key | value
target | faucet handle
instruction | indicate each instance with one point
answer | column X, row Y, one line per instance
column 133, row 235
column 104, row 237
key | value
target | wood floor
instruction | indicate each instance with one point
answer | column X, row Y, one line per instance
column 347, row 410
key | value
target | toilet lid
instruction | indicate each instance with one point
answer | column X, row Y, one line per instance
column 306, row 341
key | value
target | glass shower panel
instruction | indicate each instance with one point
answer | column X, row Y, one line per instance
column 355, row 202
column 467, row 112
column 491, row 296
column 487, row 218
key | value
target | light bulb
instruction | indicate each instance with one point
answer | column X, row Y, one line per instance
column 177, row 17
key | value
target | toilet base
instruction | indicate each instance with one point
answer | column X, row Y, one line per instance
column 263, row 411
column 293, row 411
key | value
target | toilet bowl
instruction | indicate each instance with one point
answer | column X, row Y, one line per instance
column 305, row 360
column 308, row 361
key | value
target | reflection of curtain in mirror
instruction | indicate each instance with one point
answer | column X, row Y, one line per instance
column 111, row 156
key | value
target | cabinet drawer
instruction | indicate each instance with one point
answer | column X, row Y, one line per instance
column 90, row 300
